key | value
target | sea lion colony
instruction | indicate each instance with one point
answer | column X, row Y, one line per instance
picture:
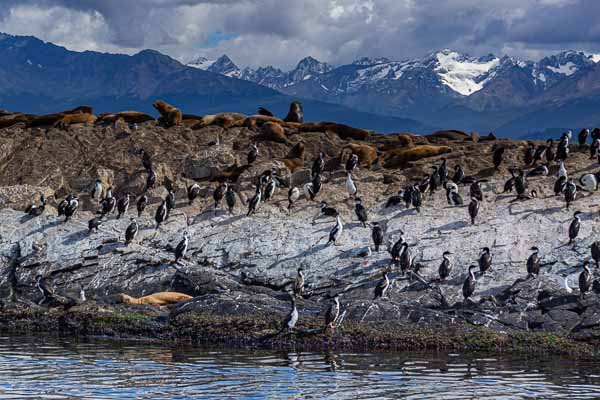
column 365, row 150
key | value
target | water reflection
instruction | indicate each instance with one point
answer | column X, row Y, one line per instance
column 53, row 369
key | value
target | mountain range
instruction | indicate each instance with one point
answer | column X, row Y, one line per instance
column 448, row 89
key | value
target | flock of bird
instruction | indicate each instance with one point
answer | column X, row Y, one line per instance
column 413, row 195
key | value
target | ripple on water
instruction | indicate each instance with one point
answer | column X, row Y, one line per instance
column 51, row 369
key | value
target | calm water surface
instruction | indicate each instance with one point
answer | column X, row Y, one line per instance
column 58, row 369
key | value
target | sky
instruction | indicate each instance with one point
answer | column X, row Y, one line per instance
column 281, row 32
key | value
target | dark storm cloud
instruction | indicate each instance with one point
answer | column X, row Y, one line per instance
column 280, row 32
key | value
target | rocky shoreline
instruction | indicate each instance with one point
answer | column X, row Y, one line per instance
column 239, row 270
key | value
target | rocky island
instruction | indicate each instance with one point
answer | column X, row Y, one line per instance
column 240, row 270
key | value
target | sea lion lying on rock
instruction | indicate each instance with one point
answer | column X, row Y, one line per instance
column 224, row 120
column 156, row 299
column 399, row 157
column 272, row 132
column 169, row 115
column 343, row 131
column 52, row 119
column 367, row 155
column 295, row 158
column 75, row 119
column 451, row 134
column 12, row 119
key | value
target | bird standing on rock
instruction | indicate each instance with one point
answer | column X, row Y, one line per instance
column 377, row 235
column 94, row 224
column 293, row 196
column 475, row 190
column 570, row 192
column 218, row 195
column 336, row 231
column 332, row 314
column 595, row 249
column 141, row 204
column 585, row 280
column 131, row 231
column 485, row 261
column 108, row 203
column 583, row 136
column 574, row 227
column 443, row 171
column 445, row 266
column 497, row 153
column 123, row 205
column 255, row 201
column 529, row 153
column 382, row 287
column 292, row 317
column 71, row 208
column 351, row 163
column 150, row 180
column 469, row 285
column 459, row 174
column 42, row 285
column 161, row 213
column 299, row 283
column 230, row 199
column 416, row 198
column 182, row 247
column 34, row 210
column 351, row 186
column 318, row 164
column 473, row 209
column 361, row 212
column 146, row 160
column 97, row 190
column 533, row 263
column 193, row 191
column 252, row 154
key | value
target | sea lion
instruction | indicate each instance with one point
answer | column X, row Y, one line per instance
column 295, row 157
column 273, row 132
column 224, row 120
column 398, row 157
column 51, row 119
column 12, row 119
column 367, row 155
column 71, row 119
column 451, row 134
column 156, row 299
column 170, row 116
column 296, row 113
column 343, row 131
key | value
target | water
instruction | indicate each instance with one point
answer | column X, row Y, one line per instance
column 58, row 369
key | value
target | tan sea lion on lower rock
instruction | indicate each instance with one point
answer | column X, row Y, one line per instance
column 156, row 299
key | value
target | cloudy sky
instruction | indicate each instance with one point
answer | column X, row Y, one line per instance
column 280, row 32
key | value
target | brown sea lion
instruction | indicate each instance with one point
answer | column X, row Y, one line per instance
column 295, row 157
column 12, row 119
column 156, row 299
column 75, row 119
column 272, row 132
column 170, row 116
column 296, row 113
column 451, row 134
column 399, row 157
column 224, row 120
column 343, row 131
column 367, row 155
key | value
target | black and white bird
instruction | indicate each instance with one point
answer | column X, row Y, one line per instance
column 485, row 261
column 454, row 198
column 406, row 259
column 361, row 212
column 559, row 185
column 394, row 200
column 475, row 190
column 445, row 266
column 533, row 263
column 397, row 248
column 336, row 231
column 182, row 247
column 254, row 201
column 218, row 195
column 109, row 203
column 170, row 201
column 583, row 136
column 299, row 282
column 416, row 199
column 382, row 287
column 562, row 171
column 131, row 231
column 539, row 154
column 123, row 205
column 377, row 235
column 585, row 279
column 497, row 154
column 521, row 183
column 318, row 164
column 595, row 249
column 71, row 208
column 424, row 184
column 35, row 210
column 575, row 226
column 292, row 317
column 45, row 289
column 161, row 213
column 97, row 190
column 541, row 170
column 550, row 152
column 473, row 209
column 350, row 185
column 570, row 192
column 62, row 206
column 150, row 180
column 351, row 163
column 146, row 160
column 407, row 196
column 316, row 185
column 141, row 204
column 589, row 182
column 326, row 211
column 529, row 153
column 459, row 174
column 434, row 180
column 193, row 191
column 293, row 196
column 443, row 171
column 270, row 189
column 230, row 199
column 594, row 148
column 309, row 192
column 94, row 224
column 469, row 285
column 252, row 154
column 332, row 314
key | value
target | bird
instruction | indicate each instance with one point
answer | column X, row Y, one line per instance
column 122, row 205
column 71, row 208
column 230, row 199
column 382, row 287
column 34, row 210
column 424, row 184
column 585, row 279
column 540, row 151
column 350, row 185
column 94, row 224
column 108, row 203
column 533, row 263
column 559, row 185
column 161, row 213
column 393, row 200
column 475, row 190
column 583, row 136
column 63, row 205
column 45, row 289
column 377, row 235
column 193, row 191
column 170, row 201
column 407, row 196
column 550, row 154
column 595, row 249
column 131, row 231
column 141, row 204
column 316, row 185
column 255, row 201
column 443, row 171
column 97, row 190
column 150, row 180
column 459, row 174
column 469, row 285
column 270, row 189
column 562, row 150
column 397, row 248
column 497, row 153
column 299, row 282
column 361, row 212
column 562, row 171
column 252, row 154
column 589, row 182
column 416, row 199
column 406, row 260
column 292, row 317
column 218, row 195
column 454, row 198
column 485, row 261
column 332, row 314
column 318, row 164
column 520, row 183
column 326, row 211
column 529, row 153
column 473, row 209
column 541, row 170
column 445, row 266
column 309, row 193
column 182, row 247
column 293, row 196
column 574, row 227
column 570, row 192
column 336, row 231
column 351, row 163
column 435, row 181
column 146, row 160
column 594, row 148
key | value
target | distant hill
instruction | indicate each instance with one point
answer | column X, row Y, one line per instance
column 40, row 77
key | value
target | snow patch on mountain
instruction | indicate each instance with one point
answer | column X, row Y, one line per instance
column 202, row 63
column 463, row 74
column 565, row 69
